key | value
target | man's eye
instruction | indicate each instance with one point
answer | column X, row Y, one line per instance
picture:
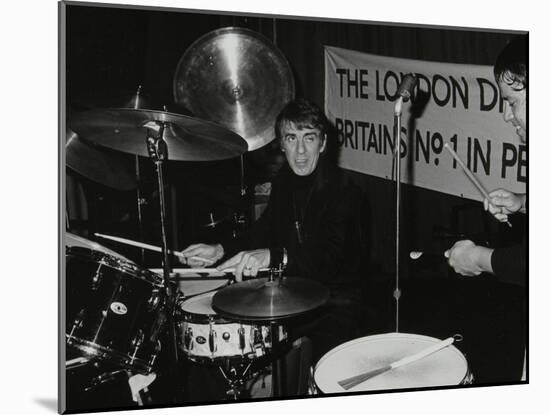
column 310, row 138
column 290, row 138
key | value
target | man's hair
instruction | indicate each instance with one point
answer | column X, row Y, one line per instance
column 511, row 64
column 303, row 114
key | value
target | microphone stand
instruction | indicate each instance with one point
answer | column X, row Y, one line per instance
column 404, row 91
column 158, row 152
column 397, row 122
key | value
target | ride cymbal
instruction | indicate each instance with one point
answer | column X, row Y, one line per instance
column 262, row 299
column 187, row 138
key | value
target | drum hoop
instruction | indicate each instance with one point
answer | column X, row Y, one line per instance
column 386, row 335
column 127, row 267
column 96, row 350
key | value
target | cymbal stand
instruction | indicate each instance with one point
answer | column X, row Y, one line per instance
column 140, row 202
column 137, row 102
column 158, row 152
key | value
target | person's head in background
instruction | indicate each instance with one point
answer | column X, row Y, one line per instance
column 301, row 129
column 511, row 75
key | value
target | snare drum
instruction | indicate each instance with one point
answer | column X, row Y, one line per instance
column 204, row 336
column 446, row 367
column 114, row 308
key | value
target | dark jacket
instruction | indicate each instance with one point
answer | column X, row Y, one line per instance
column 331, row 232
column 510, row 264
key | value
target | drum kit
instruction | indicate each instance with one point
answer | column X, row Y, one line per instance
column 121, row 313
column 116, row 312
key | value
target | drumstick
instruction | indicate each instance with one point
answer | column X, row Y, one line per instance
column 184, row 271
column 356, row 380
column 471, row 176
column 149, row 247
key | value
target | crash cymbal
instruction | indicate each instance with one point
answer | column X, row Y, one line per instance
column 187, row 138
column 101, row 165
column 238, row 78
column 262, row 299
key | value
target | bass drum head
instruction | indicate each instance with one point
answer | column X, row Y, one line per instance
column 446, row 367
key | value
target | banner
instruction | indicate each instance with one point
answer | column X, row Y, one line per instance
column 452, row 103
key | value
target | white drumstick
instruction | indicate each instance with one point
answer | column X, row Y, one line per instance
column 184, row 271
column 471, row 176
column 356, row 380
column 149, row 247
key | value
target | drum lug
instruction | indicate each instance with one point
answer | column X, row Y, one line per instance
column 267, row 337
column 242, row 341
column 158, row 347
column 257, row 341
column 154, row 300
column 212, row 341
column 96, row 278
column 188, row 338
column 136, row 343
column 77, row 323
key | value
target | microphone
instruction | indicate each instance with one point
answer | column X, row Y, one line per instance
column 406, row 86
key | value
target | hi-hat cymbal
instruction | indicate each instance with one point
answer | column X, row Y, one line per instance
column 237, row 78
column 101, row 165
column 187, row 138
column 261, row 299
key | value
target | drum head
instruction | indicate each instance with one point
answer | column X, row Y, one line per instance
column 200, row 305
column 193, row 284
column 80, row 256
column 443, row 368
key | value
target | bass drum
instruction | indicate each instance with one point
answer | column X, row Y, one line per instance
column 114, row 309
column 446, row 367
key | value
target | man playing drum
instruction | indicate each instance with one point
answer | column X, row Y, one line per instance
column 311, row 225
column 508, row 264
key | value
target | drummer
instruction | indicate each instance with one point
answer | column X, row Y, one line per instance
column 508, row 264
column 311, row 222
column 310, row 215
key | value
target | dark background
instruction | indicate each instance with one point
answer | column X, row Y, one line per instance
column 110, row 51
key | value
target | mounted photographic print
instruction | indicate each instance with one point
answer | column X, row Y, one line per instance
column 263, row 207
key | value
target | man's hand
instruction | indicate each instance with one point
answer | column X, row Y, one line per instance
column 247, row 263
column 199, row 255
column 469, row 259
column 504, row 203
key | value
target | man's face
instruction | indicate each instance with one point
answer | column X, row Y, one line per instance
column 302, row 147
column 515, row 110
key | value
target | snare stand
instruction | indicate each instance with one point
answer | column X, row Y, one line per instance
column 235, row 374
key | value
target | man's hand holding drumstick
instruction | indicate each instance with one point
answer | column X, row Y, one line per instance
column 199, row 255
column 488, row 202
column 502, row 203
column 465, row 257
